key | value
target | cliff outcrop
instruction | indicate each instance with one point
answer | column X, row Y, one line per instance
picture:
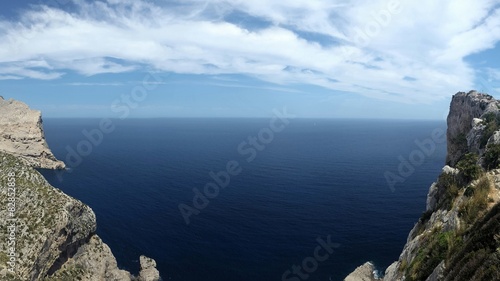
column 21, row 134
column 362, row 273
column 46, row 234
column 465, row 128
column 458, row 235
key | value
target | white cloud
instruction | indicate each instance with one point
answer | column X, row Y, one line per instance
column 10, row 77
column 92, row 66
column 376, row 44
column 95, row 84
column 29, row 69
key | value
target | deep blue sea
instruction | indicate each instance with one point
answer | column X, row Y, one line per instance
column 316, row 178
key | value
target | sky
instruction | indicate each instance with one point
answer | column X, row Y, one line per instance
column 395, row 59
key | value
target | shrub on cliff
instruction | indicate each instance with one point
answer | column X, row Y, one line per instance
column 469, row 169
column 492, row 123
column 478, row 258
column 434, row 250
column 448, row 187
column 492, row 157
column 475, row 202
column 460, row 141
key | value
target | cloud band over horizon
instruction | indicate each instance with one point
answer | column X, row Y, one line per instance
column 411, row 52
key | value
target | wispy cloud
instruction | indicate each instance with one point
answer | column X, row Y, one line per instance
column 113, row 84
column 10, row 77
column 277, row 89
column 364, row 47
column 35, row 69
column 95, row 84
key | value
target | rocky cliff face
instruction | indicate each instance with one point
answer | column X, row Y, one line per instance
column 463, row 131
column 46, row 234
column 21, row 134
column 362, row 273
column 458, row 236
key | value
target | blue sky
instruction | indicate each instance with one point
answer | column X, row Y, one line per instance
column 330, row 59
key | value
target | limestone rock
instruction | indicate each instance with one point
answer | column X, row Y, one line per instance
column 362, row 273
column 391, row 273
column 474, row 135
column 434, row 192
column 432, row 199
column 89, row 265
column 495, row 138
column 148, row 269
column 447, row 202
column 449, row 170
column 437, row 274
column 464, row 108
column 54, row 233
column 21, row 134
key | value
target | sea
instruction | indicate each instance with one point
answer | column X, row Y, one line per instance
column 215, row 199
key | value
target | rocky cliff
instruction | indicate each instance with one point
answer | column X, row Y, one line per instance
column 362, row 273
column 458, row 236
column 21, row 134
column 464, row 124
column 46, row 234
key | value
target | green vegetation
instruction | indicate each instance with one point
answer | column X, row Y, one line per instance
column 492, row 123
column 475, row 201
column 448, row 187
column 72, row 273
column 438, row 246
column 447, row 190
column 478, row 258
column 461, row 142
column 3, row 257
column 469, row 169
column 39, row 207
column 425, row 216
column 492, row 157
column 12, row 277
